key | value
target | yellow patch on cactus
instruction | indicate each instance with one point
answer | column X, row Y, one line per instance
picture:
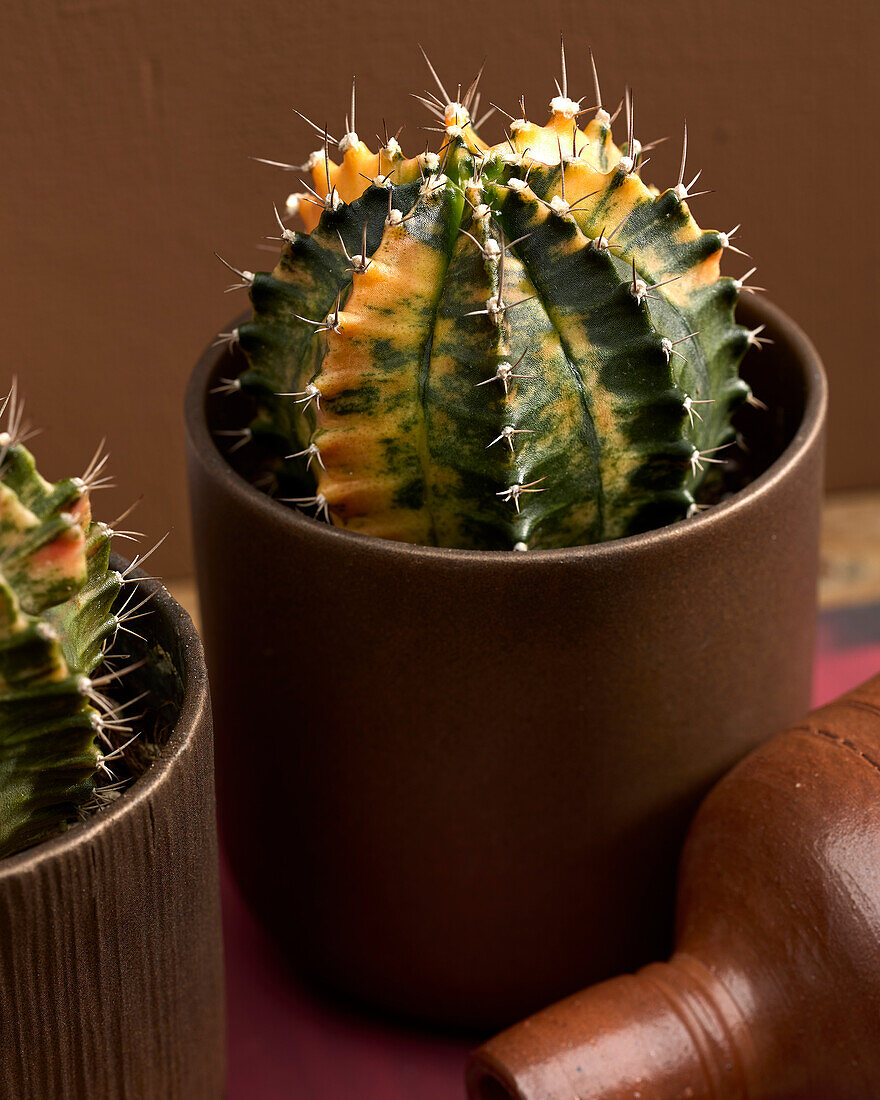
column 388, row 307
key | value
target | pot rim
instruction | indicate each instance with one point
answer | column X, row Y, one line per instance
column 811, row 426
column 180, row 741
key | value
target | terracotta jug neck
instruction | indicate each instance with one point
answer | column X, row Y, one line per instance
column 669, row 1032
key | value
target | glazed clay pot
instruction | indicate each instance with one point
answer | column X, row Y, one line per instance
column 455, row 783
column 774, row 990
column 111, row 972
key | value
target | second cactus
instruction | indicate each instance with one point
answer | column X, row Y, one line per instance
column 56, row 614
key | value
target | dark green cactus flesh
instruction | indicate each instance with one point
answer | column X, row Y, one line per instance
column 514, row 347
column 56, row 597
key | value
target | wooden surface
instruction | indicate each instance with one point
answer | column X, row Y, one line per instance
column 850, row 550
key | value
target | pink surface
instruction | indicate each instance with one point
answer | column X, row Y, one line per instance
column 286, row 1045
column 838, row 672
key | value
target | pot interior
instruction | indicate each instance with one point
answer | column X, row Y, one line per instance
column 156, row 681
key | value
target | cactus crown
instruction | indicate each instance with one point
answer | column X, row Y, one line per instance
column 496, row 347
column 56, row 597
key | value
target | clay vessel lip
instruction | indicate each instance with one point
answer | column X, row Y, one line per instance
column 811, row 425
column 189, row 718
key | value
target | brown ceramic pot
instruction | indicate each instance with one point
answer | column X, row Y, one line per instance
column 111, row 973
column 455, row 783
column 774, row 990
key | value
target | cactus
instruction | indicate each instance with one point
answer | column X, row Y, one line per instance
column 515, row 346
column 56, row 615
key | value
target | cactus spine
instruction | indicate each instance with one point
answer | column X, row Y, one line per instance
column 56, row 596
column 507, row 347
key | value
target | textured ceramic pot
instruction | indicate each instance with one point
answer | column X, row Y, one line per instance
column 455, row 783
column 111, row 972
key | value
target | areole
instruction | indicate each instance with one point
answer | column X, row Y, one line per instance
column 458, row 738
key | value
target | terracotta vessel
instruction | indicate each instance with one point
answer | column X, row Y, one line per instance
column 111, row 972
column 774, row 989
column 437, row 783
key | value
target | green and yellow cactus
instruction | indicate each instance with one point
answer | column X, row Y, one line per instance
column 57, row 592
column 514, row 346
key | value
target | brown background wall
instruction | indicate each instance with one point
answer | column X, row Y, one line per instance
column 126, row 127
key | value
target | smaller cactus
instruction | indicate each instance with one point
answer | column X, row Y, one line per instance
column 57, row 594
column 513, row 346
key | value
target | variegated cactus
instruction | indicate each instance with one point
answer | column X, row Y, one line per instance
column 57, row 590
column 514, row 346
